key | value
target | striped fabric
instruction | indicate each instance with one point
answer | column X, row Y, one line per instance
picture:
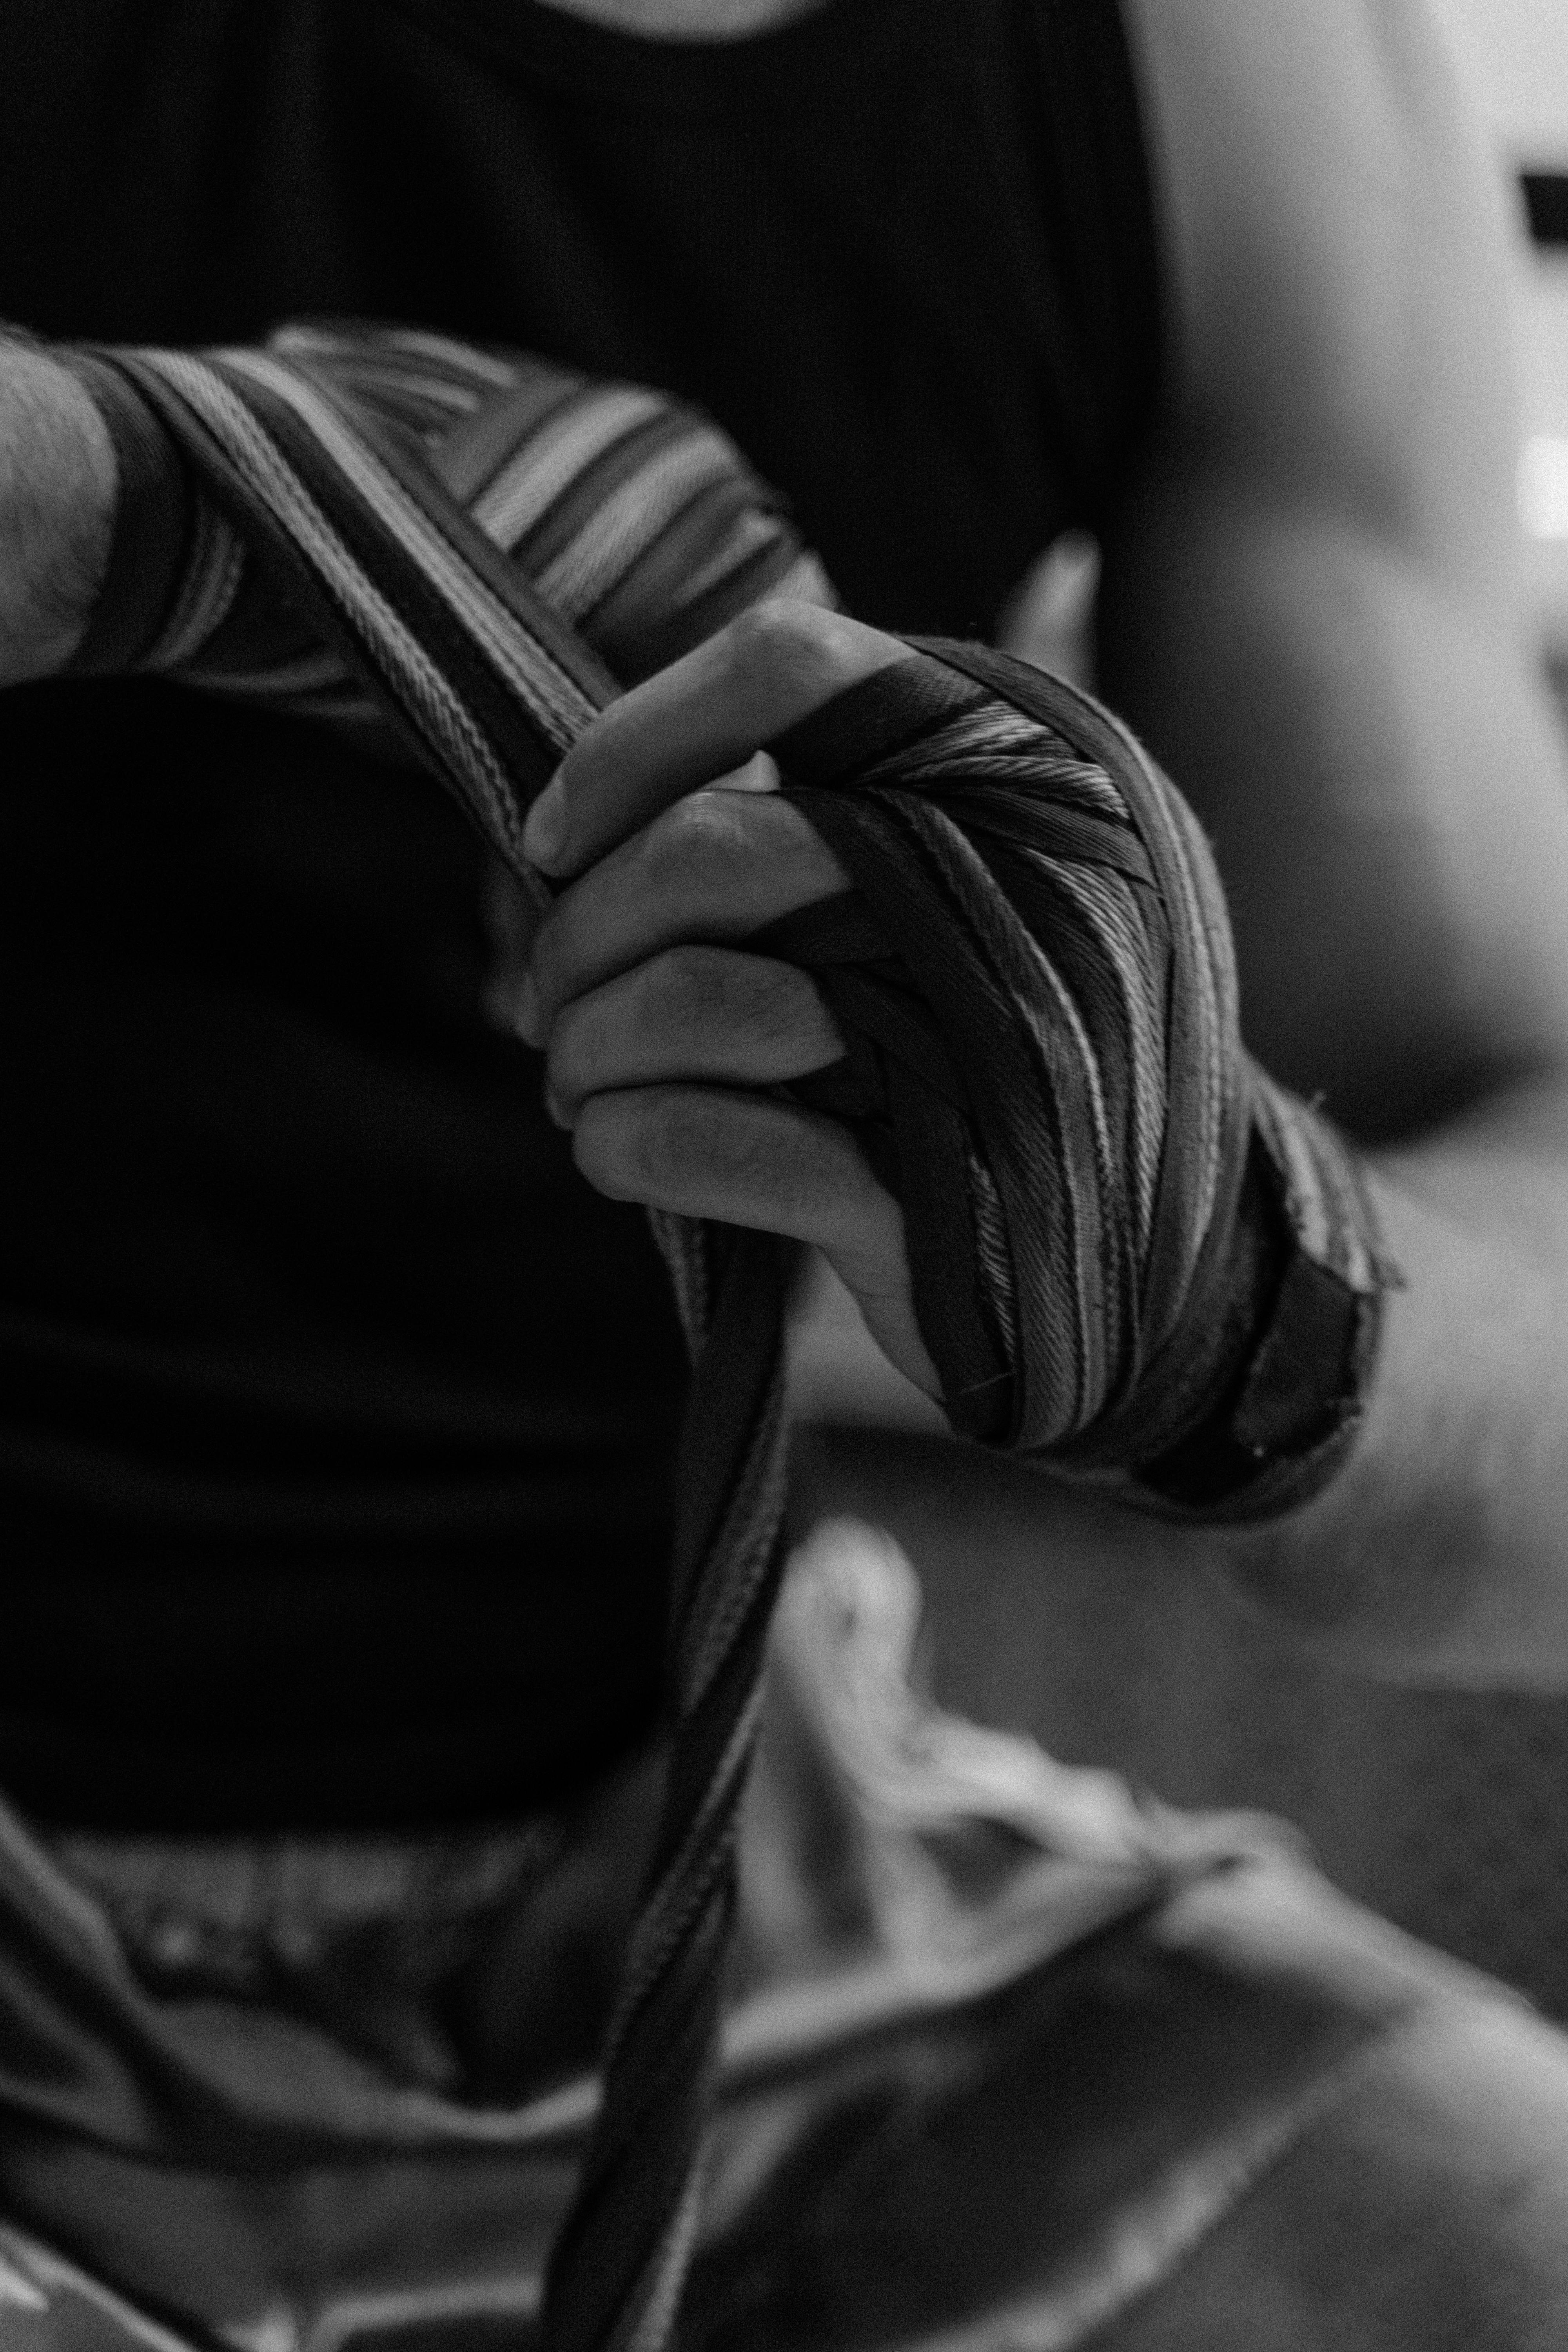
column 426, row 503
column 466, row 552
column 636, row 519
column 1036, row 982
column 356, row 550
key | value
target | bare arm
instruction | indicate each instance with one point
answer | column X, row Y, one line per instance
column 1310, row 615
column 56, row 508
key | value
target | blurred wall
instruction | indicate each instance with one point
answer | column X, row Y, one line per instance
column 1514, row 54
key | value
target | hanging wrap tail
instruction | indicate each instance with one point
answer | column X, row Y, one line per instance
column 1131, row 1255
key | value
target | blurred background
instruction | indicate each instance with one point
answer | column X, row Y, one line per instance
column 1514, row 57
column 1446, row 1812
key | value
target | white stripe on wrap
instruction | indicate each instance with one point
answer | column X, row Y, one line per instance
column 625, row 525
column 1111, row 920
column 529, row 484
column 211, row 580
column 748, row 532
column 993, row 921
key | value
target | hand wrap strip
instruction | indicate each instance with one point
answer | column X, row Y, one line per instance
column 1132, row 1253
column 1032, row 974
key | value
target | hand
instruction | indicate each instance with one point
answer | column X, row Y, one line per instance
column 662, row 1036
column 57, row 489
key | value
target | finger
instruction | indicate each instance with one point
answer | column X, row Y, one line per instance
column 691, row 1012
column 711, row 1151
column 716, row 866
column 705, row 1151
column 703, row 716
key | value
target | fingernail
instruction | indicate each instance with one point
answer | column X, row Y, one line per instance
column 760, row 774
column 544, row 829
column 525, row 1013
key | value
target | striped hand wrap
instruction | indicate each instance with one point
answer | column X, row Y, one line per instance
column 1125, row 1244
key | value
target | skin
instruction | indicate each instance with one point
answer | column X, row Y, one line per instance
column 1310, row 611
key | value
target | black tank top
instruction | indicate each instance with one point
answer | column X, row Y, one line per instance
column 335, row 1412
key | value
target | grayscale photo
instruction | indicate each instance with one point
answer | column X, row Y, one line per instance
column 784, row 1176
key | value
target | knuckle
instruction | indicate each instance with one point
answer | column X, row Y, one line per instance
column 783, row 636
column 726, row 859
column 803, row 649
column 687, row 985
column 778, row 625
column 549, row 958
column 634, row 1146
column 662, row 1138
column 698, row 839
column 600, row 1148
column 729, row 1002
column 569, row 1062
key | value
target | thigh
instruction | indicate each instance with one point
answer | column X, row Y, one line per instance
column 1263, row 2118
column 1425, row 2210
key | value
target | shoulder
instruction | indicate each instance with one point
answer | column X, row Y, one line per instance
column 1336, row 244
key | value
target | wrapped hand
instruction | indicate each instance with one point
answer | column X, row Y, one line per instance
column 911, row 953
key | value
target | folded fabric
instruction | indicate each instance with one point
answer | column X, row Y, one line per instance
column 196, row 2112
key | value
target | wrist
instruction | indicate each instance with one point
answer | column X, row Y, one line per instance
column 1295, row 1325
column 58, row 488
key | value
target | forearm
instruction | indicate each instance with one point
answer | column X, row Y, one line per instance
column 57, row 510
column 1440, row 1551
column 1386, row 787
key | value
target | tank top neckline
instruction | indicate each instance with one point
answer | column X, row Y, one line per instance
column 595, row 61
